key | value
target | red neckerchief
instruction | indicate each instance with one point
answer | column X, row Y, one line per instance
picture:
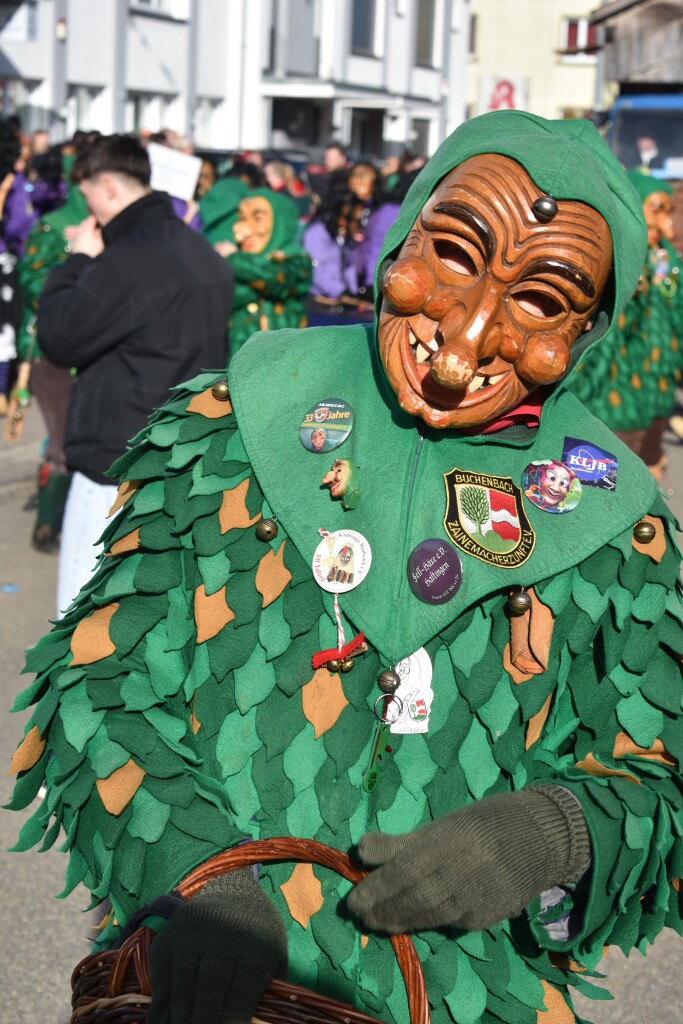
column 527, row 413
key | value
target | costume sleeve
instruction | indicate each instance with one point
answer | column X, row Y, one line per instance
column 272, row 279
column 614, row 738
column 134, row 686
column 85, row 310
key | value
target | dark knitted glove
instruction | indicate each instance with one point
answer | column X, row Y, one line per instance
column 475, row 866
column 218, row 953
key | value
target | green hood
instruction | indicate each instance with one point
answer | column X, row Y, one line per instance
column 286, row 233
column 568, row 160
column 646, row 184
column 75, row 209
column 218, row 209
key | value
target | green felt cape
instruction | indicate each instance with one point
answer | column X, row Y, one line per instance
column 271, row 293
column 630, row 378
column 176, row 710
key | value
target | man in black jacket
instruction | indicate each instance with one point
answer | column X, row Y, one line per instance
column 141, row 305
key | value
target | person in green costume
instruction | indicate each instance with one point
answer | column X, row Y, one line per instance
column 218, row 209
column 46, row 246
column 272, row 270
column 630, row 382
column 196, row 692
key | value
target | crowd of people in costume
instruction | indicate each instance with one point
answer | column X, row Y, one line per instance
column 301, row 244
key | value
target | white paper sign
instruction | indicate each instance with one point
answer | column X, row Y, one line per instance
column 415, row 693
column 173, row 172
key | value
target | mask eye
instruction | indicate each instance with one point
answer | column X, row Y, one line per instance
column 454, row 258
column 538, row 304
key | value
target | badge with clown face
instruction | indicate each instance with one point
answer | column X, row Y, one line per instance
column 551, row 486
column 491, row 288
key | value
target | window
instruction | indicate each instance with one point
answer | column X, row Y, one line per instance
column 472, row 37
column 579, row 38
column 172, row 8
column 420, row 136
column 20, row 24
column 363, row 27
column 424, row 33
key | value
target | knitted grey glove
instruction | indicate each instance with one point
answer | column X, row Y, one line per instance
column 475, row 866
column 213, row 960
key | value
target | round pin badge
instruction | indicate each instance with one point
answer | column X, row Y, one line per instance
column 434, row 571
column 341, row 561
column 551, row 486
column 326, row 425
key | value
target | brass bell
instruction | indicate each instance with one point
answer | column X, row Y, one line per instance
column 334, row 665
column 388, row 681
column 545, row 208
column 266, row 529
column 346, row 665
column 644, row 532
column 220, row 390
column 519, row 602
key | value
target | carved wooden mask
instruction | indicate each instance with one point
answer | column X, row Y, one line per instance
column 488, row 293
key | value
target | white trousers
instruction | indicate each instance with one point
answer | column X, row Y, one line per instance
column 85, row 517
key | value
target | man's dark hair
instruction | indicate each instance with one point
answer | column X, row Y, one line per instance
column 113, row 154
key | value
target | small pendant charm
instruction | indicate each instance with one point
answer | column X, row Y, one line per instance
column 342, row 481
column 644, row 532
column 519, row 602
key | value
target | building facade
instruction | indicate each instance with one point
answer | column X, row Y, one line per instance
column 233, row 74
column 536, row 55
column 641, row 40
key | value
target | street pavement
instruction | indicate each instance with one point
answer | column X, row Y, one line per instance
column 43, row 938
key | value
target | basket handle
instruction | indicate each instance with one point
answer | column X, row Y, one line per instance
column 312, row 852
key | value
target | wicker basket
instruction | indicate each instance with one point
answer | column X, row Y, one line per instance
column 114, row 986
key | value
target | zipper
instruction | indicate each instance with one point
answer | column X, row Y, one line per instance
column 413, row 472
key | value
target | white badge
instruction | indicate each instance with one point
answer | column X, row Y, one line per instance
column 341, row 561
column 414, row 692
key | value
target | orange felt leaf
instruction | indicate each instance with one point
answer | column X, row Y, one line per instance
column 195, row 724
column 211, row 613
column 206, row 405
column 556, row 1007
column 233, row 513
column 323, row 700
column 131, row 542
column 676, row 882
column 536, row 722
column 517, row 676
column 364, row 941
column 272, row 575
column 591, row 765
column 303, row 894
column 624, row 745
column 90, row 640
column 117, row 791
column 125, row 492
column 656, row 549
column 531, row 635
column 28, row 753
column 565, row 963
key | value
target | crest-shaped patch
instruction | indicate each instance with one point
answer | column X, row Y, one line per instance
column 485, row 517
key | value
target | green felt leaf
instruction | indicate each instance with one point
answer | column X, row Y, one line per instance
column 467, row 999
column 137, row 692
column 405, row 813
column 415, row 764
column 467, row 648
column 183, row 454
column 254, row 680
column 499, row 709
column 149, row 817
column 166, row 668
column 303, row 759
column 78, row 718
column 274, row 635
column 641, row 720
column 303, row 815
column 105, row 756
column 477, row 761
column 244, row 797
column 237, row 741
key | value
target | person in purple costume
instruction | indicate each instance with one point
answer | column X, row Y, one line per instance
column 376, row 217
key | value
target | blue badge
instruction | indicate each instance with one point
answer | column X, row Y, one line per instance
column 594, row 466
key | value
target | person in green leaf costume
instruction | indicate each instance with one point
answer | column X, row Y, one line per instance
column 272, row 270
column 630, row 383
column 488, row 715
column 47, row 246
